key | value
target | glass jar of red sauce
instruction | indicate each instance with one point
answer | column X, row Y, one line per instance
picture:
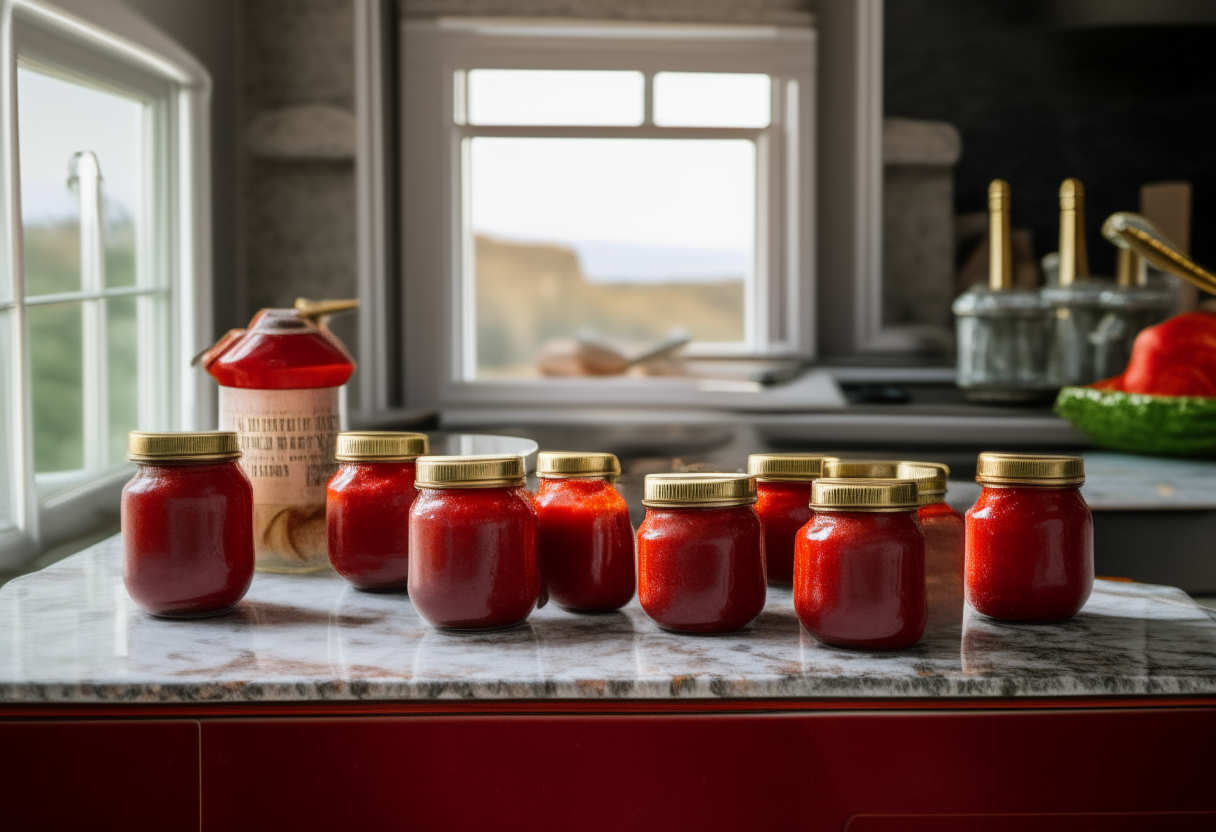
column 859, row 565
column 473, row 560
column 1030, row 538
column 586, row 539
column 945, row 535
column 701, row 552
column 367, row 507
column 864, row 469
column 783, row 501
column 280, row 390
column 187, row 524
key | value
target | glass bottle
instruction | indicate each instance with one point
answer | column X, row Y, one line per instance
column 1073, row 305
column 783, row 501
column 280, row 391
column 1001, row 330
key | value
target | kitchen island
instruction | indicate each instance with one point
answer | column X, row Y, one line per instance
column 313, row 705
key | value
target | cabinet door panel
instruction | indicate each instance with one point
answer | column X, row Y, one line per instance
column 102, row 775
column 705, row 772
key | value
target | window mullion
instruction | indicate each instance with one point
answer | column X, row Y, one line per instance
column 86, row 178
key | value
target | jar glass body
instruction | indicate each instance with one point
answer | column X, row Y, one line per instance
column 473, row 557
column 784, row 508
column 945, row 533
column 1030, row 552
column 859, row 578
column 187, row 538
column 586, row 544
column 367, row 511
column 701, row 570
column 1002, row 337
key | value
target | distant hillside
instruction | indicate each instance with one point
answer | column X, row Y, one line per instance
column 529, row 293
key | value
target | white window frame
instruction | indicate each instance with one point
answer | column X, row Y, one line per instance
column 103, row 44
column 435, row 280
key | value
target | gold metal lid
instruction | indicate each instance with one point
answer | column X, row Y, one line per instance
column 699, row 490
column 476, row 471
column 786, row 467
column 839, row 494
column 1029, row 469
column 868, row 469
column 569, row 464
column 203, row 446
column 930, row 479
column 380, row 446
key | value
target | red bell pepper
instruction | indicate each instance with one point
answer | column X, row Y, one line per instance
column 1173, row 358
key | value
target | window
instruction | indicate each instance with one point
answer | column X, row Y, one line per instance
column 100, row 293
column 622, row 183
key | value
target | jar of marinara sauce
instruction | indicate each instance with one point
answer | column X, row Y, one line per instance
column 473, row 543
column 1030, row 538
column 783, row 501
column 701, row 552
column 945, row 533
column 187, row 524
column 859, row 565
column 863, row 469
column 367, row 507
column 586, row 539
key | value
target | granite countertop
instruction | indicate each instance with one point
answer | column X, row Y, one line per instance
column 70, row 634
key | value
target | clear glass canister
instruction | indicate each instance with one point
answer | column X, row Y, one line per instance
column 1002, row 336
column 1073, row 313
column 1134, row 304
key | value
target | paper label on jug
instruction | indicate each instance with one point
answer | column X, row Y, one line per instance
column 287, row 440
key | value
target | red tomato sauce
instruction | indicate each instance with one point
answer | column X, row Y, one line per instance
column 784, row 508
column 473, row 557
column 1030, row 553
column 701, row 570
column 859, row 579
column 187, row 537
column 367, row 511
column 586, row 544
column 945, row 539
column 279, row 351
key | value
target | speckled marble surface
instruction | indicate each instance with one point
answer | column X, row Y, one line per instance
column 70, row 634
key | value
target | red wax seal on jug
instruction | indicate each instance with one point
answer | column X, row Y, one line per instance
column 280, row 391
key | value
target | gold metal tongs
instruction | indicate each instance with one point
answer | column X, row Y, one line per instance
column 1137, row 233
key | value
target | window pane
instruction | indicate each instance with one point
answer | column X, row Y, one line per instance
column 705, row 99
column 123, row 371
column 629, row 238
column 7, row 471
column 56, row 119
column 556, row 97
column 56, row 362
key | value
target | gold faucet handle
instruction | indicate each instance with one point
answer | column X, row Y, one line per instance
column 1136, row 232
column 316, row 310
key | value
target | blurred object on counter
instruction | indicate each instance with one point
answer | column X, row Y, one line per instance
column 589, row 355
column 1073, row 311
column 1051, row 268
column 1141, row 235
column 1165, row 402
column 1128, row 308
column 974, row 270
column 917, row 235
column 1001, row 330
column 1167, row 205
column 281, row 386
